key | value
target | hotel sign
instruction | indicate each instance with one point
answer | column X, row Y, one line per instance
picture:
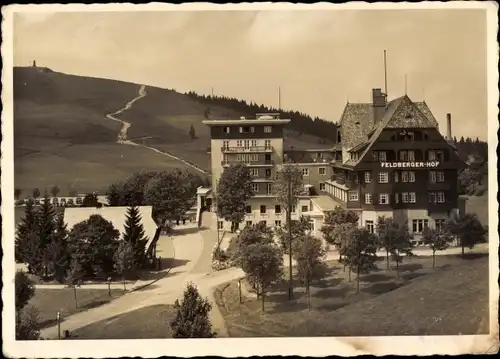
column 427, row 164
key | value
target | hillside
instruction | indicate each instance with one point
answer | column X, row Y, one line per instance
column 62, row 136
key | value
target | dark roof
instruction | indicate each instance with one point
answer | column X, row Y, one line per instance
column 356, row 122
column 299, row 157
column 400, row 113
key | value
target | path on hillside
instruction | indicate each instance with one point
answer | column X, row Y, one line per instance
column 122, row 135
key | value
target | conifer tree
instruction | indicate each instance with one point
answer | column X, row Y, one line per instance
column 25, row 229
column 135, row 235
column 57, row 255
column 192, row 318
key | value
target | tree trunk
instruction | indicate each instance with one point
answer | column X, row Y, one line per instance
column 263, row 296
column 74, row 292
column 124, row 288
column 308, row 290
column 387, row 257
column 397, row 265
column 350, row 271
column 433, row 259
column 357, row 278
column 463, row 249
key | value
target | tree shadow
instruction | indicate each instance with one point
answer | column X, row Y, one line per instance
column 95, row 304
column 184, row 231
column 381, row 288
column 340, row 292
column 409, row 267
column 412, row 275
column 327, row 283
column 370, row 278
column 283, row 304
column 471, row 256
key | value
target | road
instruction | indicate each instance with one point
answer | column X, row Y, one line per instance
column 122, row 135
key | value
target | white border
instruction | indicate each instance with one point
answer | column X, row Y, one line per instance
column 348, row 346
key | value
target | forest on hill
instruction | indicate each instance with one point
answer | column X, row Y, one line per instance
column 467, row 146
column 300, row 122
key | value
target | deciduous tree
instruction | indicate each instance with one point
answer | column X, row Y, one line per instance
column 361, row 252
column 310, row 257
column 288, row 186
column 437, row 240
column 336, row 226
column 93, row 243
column 395, row 239
column 36, row 193
column 300, row 228
column 90, row 200
column 233, row 192
column 468, row 229
column 27, row 324
column 171, row 193
column 263, row 265
column 258, row 233
column 192, row 319
column 113, row 194
column 124, row 261
column 54, row 190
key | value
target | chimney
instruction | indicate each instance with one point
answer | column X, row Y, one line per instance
column 448, row 127
column 379, row 104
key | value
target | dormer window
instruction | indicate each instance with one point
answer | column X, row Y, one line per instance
column 247, row 129
column 226, row 129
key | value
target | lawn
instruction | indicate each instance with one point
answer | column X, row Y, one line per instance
column 425, row 301
column 50, row 301
column 145, row 323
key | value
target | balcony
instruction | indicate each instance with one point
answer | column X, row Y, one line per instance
column 258, row 163
column 255, row 149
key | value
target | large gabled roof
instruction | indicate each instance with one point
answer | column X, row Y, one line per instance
column 400, row 113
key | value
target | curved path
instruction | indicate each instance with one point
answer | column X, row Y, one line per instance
column 122, row 135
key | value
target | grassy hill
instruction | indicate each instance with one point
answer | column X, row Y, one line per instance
column 62, row 135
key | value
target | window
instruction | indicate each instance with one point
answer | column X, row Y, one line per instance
column 322, row 186
column 368, row 198
column 255, row 187
column 246, row 144
column 225, row 159
column 294, row 208
column 225, row 144
column 383, row 198
column 369, row 226
column 408, row 176
column 396, row 177
column 254, row 143
column 353, row 196
column 247, row 129
column 248, row 209
column 432, row 197
column 305, row 209
column 311, row 225
column 396, row 197
column 226, row 129
column 277, row 209
column 413, row 197
column 221, row 225
column 268, row 173
column 254, row 157
column 252, row 129
column 267, row 144
column 263, row 223
column 407, row 155
column 268, row 129
column 262, row 209
column 432, row 176
column 419, row 225
column 79, row 200
column 382, row 156
column 440, row 176
column 239, row 143
column 383, row 177
column 405, row 197
column 248, row 223
column 436, row 155
column 305, row 172
column 277, row 223
column 440, row 197
column 322, row 171
column 440, row 223
column 269, row 188
column 368, row 177
column 254, row 172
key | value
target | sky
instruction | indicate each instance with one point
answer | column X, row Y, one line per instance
column 320, row 59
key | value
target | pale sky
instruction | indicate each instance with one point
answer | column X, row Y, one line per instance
column 320, row 59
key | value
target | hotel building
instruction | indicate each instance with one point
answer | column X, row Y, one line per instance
column 390, row 159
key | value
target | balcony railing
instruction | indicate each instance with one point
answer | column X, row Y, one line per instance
column 247, row 149
column 248, row 163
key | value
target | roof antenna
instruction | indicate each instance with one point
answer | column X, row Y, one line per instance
column 385, row 73
column 279, row 97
